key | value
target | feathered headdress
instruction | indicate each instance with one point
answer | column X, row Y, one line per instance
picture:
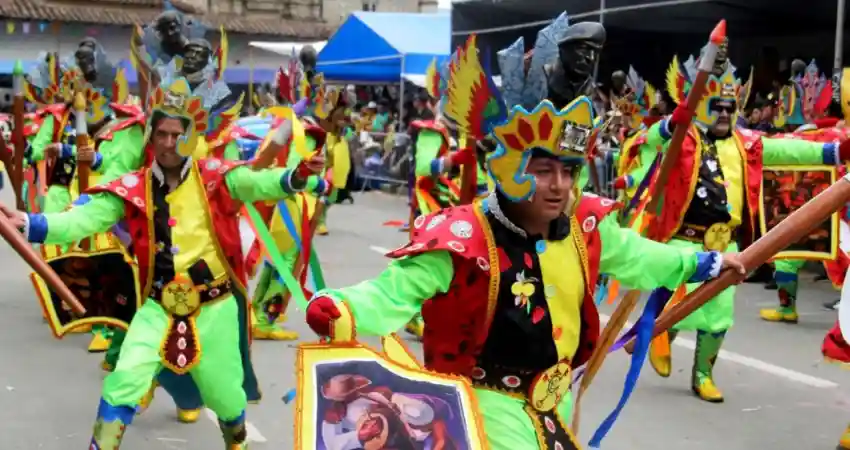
column 49, row 82
column 725, row 87
column 110, row 86
column 636, row 104
column 813, row 92
column 174, row 98
column 524, row 80
column 472, row 100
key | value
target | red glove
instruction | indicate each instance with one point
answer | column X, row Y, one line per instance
column 321, row 312
column 826, row 122
column 680, row 116
column 620, row 183
column 463, row 156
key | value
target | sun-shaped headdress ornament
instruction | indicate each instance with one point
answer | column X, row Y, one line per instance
column 50, row 82
column 724, row 87
column 477, row 107
column 811, row 97
column 174, row 98
column 635, row 105
column 109, row 88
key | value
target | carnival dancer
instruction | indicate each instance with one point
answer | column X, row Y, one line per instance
column 87, row 73
column 808, row 96
column 489, row 277
column 285, row 218
column 190, row 256
column 712, row 197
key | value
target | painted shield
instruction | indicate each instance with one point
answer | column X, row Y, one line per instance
column 101, row 274
column 353, row 396
column 784, row 190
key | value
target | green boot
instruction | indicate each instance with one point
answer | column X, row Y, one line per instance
column 110, row 359
column 234, row 433
column 110, row 425
column 705, row 356
column 787, row 291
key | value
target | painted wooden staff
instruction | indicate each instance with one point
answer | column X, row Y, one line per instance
column 11, row 235
column 469, row 173
column 16, row 171
column 695, row 95
column 83, row 141
column 793, row 228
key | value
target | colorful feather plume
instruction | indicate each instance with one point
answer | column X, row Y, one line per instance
column 432, row 80
column 220, row 56
column 474, row 102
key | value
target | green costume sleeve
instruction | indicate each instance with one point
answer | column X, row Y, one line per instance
column 231, row 152
column 779, row 152
column 656, row 135
column 384, row 304
column 99, row 214
column 641, row 263
column 125, row 153
column 249, row 186
column 428, row 144
column 42, row 139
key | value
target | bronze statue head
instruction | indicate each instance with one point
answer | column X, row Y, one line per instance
column 87, row 62
column 196, row 55
column 798, row 67
column 169, row 28
column 579, row 50
column 618, row 81
column 308, row 58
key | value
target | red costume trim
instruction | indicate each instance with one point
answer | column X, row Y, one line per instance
column 458, row 321
column 135, row 190
column 681, row 185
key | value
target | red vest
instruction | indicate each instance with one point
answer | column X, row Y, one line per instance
column 458, row 322
column 135, row 190
column 681, row 186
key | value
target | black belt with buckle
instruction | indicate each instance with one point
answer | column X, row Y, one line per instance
column 207, row 292
column 716, row 237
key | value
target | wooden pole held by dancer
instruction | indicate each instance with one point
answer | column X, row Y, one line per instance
column 11, row 235
column 16, row 172
column 793, row 228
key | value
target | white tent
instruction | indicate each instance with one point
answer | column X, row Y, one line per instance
column 286, row 48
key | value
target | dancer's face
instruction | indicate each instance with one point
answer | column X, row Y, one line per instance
column 165, row 138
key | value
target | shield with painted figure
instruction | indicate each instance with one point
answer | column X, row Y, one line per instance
column 101, row 274
column 353, row 396
column 784, row 190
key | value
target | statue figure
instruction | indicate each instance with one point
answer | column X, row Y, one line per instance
column 571, row 75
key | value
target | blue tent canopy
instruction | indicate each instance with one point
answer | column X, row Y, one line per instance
column 375, row 47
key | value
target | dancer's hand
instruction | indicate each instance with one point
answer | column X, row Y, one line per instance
column 321, row 312
column 86, row 155
column 681, row 116
column 733, row 261
column 15, row 217
column 53, row 150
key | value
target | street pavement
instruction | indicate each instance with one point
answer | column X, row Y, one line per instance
column 779, row 394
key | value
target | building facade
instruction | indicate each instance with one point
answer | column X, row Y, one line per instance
column 34, row 26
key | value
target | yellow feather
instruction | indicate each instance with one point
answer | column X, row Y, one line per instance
column 673, row 81
column 464, row 80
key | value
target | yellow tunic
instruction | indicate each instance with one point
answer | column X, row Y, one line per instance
column 732, row 165
column 564, row 295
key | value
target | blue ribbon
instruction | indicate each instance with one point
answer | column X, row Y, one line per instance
column 644, row 327
column 601, row 289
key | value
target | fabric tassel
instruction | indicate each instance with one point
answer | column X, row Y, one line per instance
column 645, row 327
column 613, row 291
column 601, row 289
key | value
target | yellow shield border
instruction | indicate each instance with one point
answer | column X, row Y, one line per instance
column 104, row 244
column 830, row 255
column 396, row 359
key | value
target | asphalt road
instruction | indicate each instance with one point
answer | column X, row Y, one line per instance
column 779, row 395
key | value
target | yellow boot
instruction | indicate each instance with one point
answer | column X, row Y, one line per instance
column 322, row 230
column 188, row 415
column 273, row 333
column 844, row 442
column 660, row 357
column 415, row 327
column 145, row 402
column 99, row 343
column 779, row 315
column 705, row 357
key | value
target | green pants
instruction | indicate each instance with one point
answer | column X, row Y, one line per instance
column 786, row 282
column 218, row 374
column 508, row 426
column 719, row 313
column 268, row 296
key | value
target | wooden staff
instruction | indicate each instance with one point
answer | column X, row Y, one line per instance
column 83, row 141
column 143, row 71
column 469, row 174
column 695, row 95
column 793, row 228
column 16, row 171
column 25, row 250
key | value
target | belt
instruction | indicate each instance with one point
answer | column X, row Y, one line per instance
column 716, row 237
column 181, row 297
column 542, row 391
